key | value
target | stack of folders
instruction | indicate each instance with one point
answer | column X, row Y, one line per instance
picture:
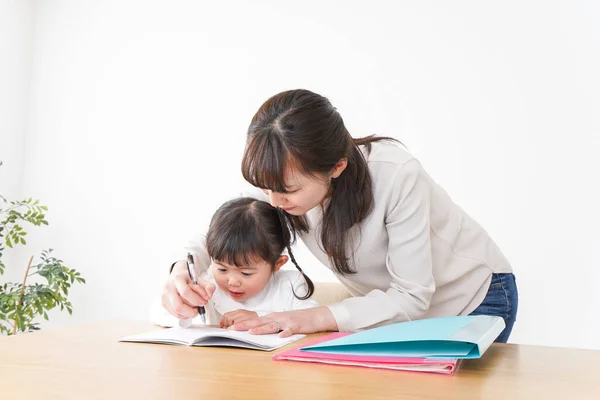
column 430, row 345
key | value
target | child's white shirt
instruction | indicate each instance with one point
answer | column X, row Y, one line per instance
column 277, row 296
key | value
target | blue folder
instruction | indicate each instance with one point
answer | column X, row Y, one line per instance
column 446, row 337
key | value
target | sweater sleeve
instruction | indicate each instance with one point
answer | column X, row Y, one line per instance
column 408, row 260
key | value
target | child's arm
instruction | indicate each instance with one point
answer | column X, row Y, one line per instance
column 159, row 316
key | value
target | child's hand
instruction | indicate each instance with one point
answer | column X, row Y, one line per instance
column 234, row 317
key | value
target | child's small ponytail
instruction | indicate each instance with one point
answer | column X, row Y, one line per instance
column 288, row 240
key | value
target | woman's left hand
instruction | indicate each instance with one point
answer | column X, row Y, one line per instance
column 310, row 320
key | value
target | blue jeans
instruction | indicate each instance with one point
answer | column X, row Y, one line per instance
column 502, row 300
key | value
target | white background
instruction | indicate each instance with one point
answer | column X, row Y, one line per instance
column 127, row 118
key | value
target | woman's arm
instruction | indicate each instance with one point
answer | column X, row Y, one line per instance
column 408, row 260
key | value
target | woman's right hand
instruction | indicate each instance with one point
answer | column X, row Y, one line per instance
column 181, row 297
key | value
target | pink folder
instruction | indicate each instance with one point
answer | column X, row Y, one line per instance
column 446, row 366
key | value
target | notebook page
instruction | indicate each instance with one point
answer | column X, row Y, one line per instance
column 172, row 335
column 210, row 336
column 264, row 342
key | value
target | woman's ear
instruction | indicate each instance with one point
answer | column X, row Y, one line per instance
column 280, row 262
column 338, row 168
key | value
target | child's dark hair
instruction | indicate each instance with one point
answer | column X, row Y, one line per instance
column 246, row 229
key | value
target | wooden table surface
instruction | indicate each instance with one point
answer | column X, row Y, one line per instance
column 87, row 362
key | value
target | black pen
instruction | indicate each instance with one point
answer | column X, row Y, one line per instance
column 192, row 272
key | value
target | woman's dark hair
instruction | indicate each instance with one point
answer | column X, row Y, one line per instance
column 246, row 230
column 302, row 129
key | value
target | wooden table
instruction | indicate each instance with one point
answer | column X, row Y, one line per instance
column 87, row 362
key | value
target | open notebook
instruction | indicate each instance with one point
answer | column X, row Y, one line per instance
column 210, row 336
column 445, row 366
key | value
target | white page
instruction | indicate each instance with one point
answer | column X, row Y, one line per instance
column 208, row 336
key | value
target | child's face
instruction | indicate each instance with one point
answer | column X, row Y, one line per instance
column 243, row 283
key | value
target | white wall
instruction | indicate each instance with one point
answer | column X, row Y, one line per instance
column 139, row 109
column 16, row 40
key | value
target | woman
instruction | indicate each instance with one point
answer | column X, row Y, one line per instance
column 368, row 211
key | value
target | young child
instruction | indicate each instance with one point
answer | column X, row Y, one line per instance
column 245, row 242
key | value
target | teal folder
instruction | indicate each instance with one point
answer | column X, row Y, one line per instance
column 446, row 337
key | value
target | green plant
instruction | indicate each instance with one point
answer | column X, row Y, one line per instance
column 21, row 303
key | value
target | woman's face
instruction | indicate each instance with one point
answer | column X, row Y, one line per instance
column 304, row 192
